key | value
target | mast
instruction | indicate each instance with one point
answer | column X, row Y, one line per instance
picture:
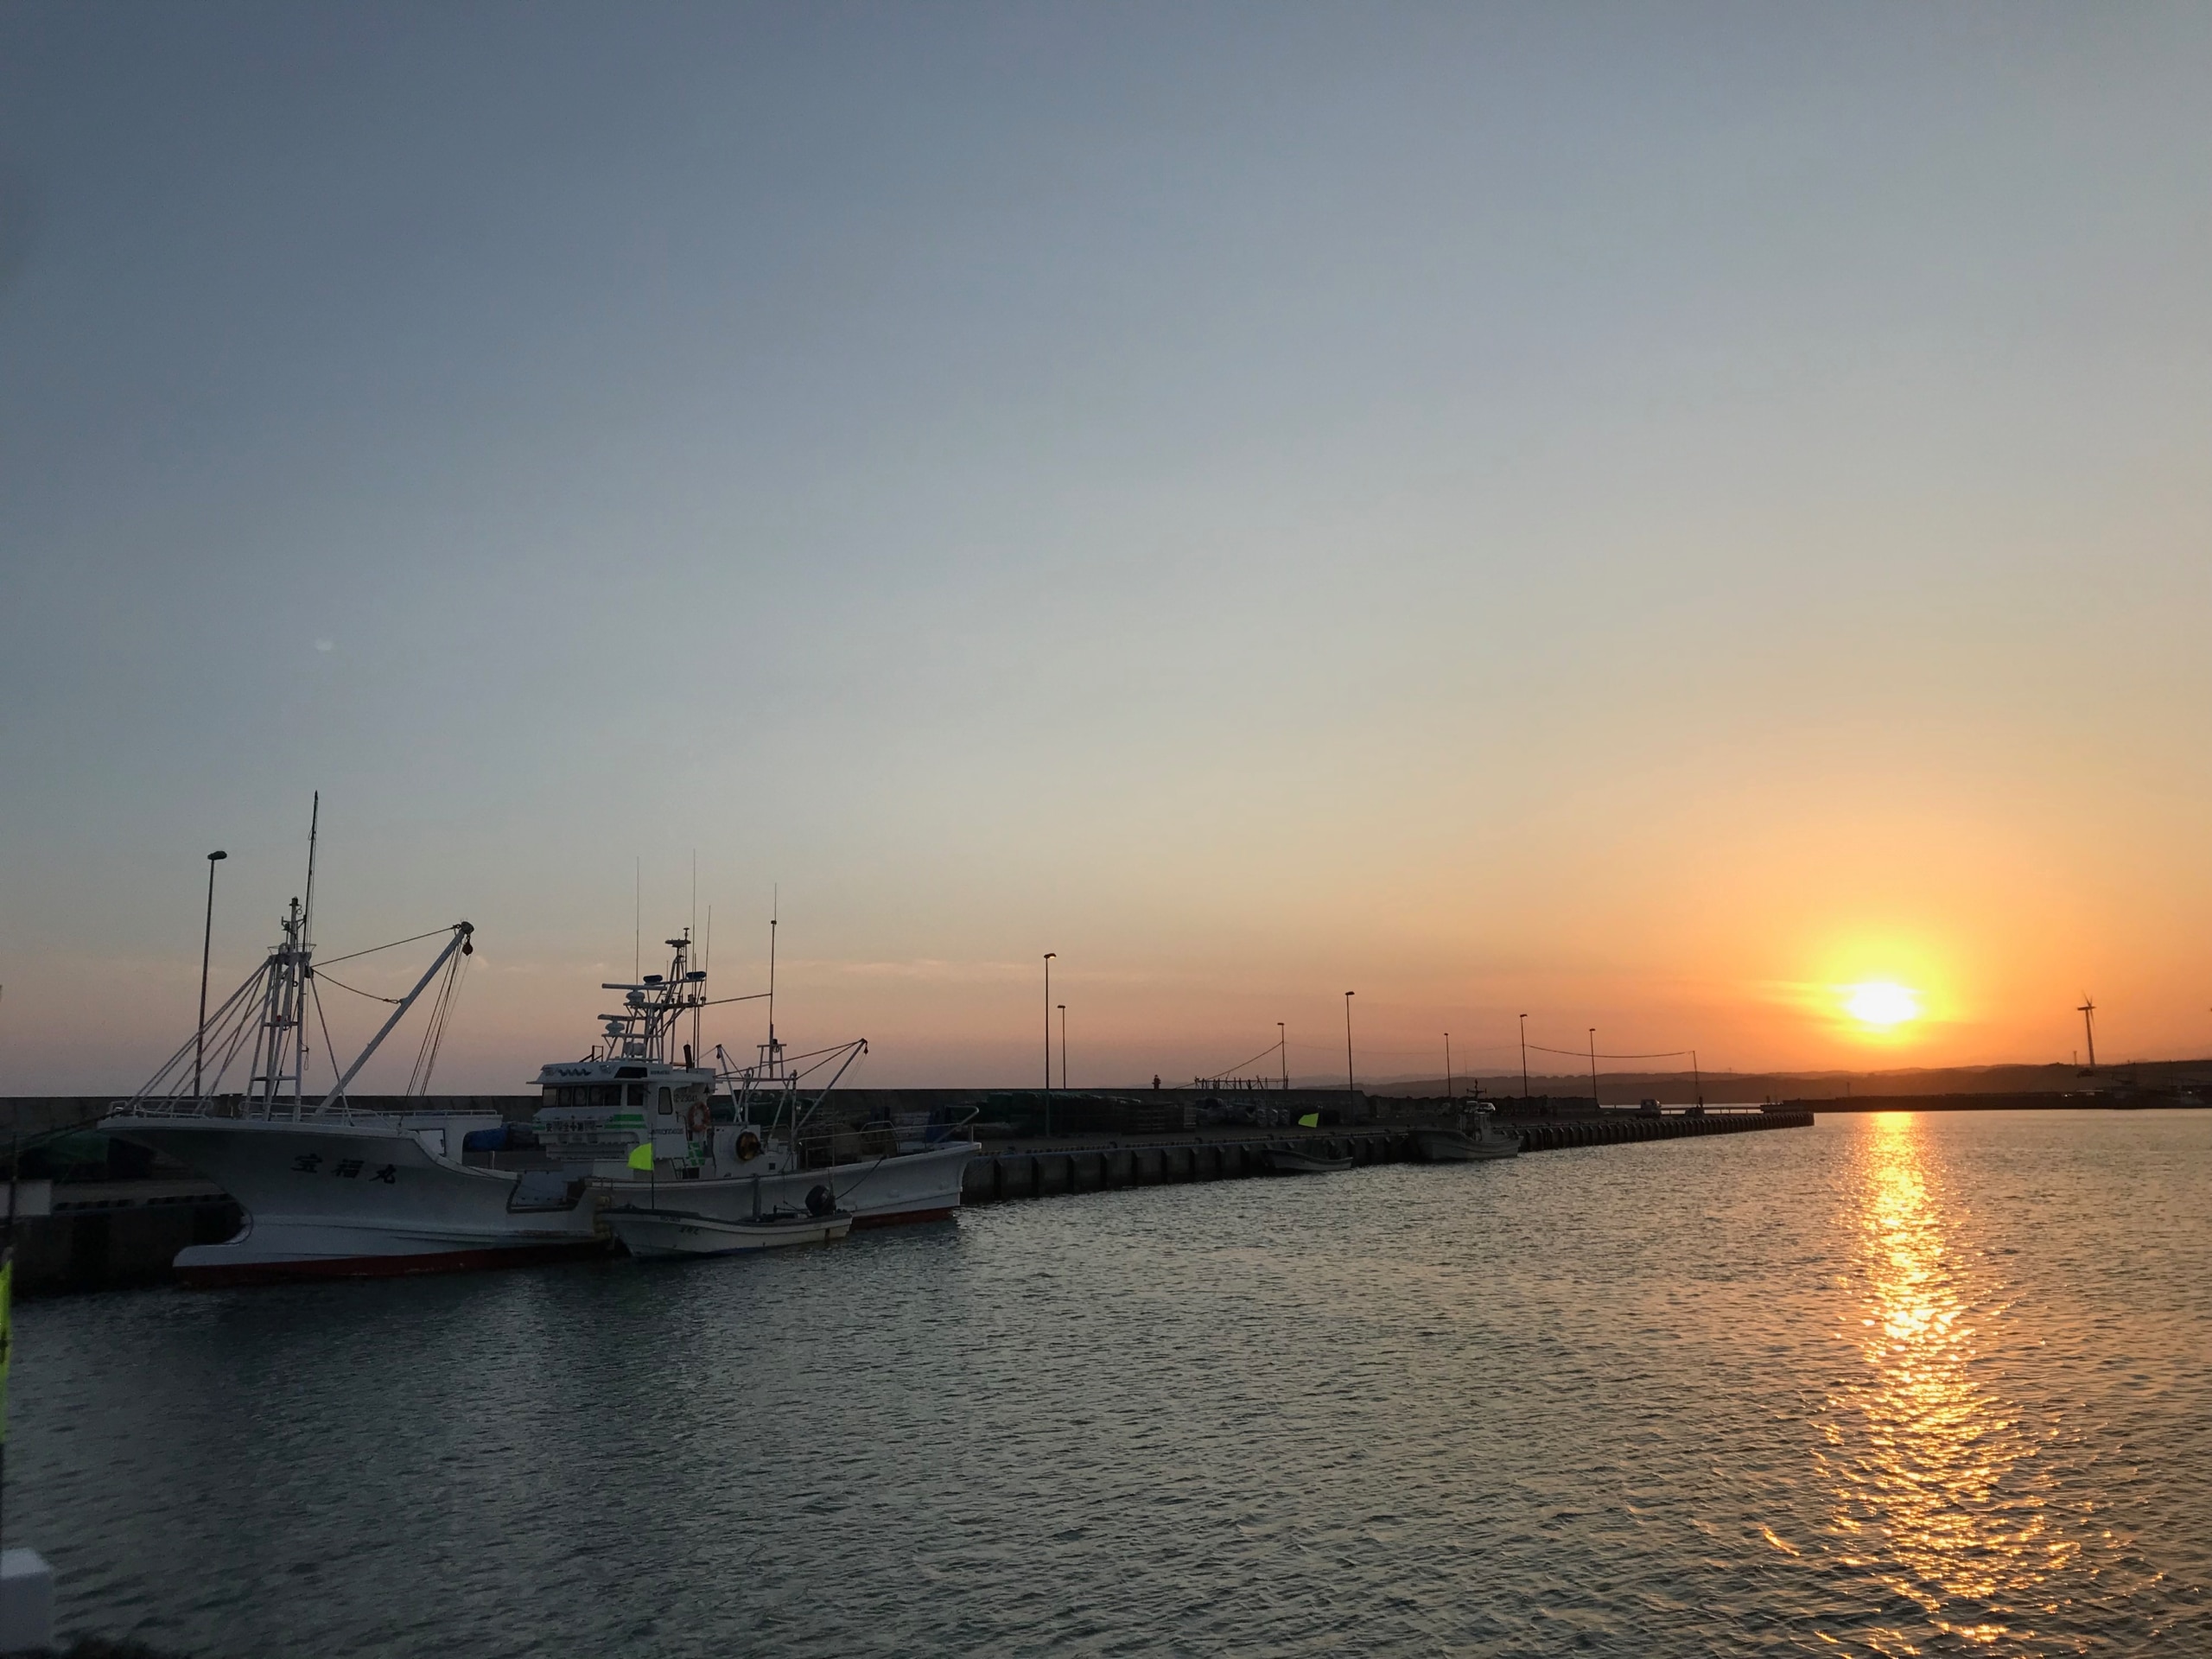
column 306, row 950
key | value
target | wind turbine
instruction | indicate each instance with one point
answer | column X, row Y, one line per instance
column 2088, row 1012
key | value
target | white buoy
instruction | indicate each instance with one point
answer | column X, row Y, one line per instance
column 26, row 1602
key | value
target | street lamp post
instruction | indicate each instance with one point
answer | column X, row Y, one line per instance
column 1447, row 1065
column 1049, row 955
column 206, row 940
column 1351, row 1088
column 1525, row 1057
column 1593, row 1065
column 1063, row 1046
column 1282, row 1052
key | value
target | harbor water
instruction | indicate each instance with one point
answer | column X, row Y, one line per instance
column 1897, row 1384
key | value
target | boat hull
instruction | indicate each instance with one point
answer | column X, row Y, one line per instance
column 214, row 1267
column 886, row 1191
column 667, row 1234
column 363, row 1199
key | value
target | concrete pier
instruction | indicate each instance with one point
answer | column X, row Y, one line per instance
column 106, row 1235
column 1049, row 1170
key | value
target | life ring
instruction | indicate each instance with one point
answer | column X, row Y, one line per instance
column 697, row 1118
column 748, row 1147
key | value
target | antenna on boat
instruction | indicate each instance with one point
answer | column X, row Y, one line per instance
column 314, row 824
column 637, row 918
column 775, row 909
column 299, row 969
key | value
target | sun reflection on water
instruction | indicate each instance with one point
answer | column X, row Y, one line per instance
column 1937, row 1492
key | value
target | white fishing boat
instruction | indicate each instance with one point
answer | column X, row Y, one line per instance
column 653, row 1233
column 328, row 1190
column 1479, row 1138
column 655, row 1130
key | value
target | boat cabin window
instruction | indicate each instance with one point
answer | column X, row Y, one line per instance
column 667, row 1102
column 584, row 1094
column 637, row 1094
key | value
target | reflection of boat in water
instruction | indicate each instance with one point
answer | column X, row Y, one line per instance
column 649, row 1233
column 1479, row 1138
column 328, row 1190
column 1287, row 1161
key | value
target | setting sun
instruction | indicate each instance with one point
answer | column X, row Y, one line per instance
column 1881, row 1003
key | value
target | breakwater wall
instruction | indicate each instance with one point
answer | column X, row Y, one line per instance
column 110, row 1236
column 1053, row 1171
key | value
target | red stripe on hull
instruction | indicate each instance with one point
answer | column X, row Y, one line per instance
column 906, row 1215
column 211, row 1277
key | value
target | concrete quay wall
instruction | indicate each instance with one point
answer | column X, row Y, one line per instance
column 1053, row 1172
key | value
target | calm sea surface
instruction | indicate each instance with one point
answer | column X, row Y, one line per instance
column 1895, row 1385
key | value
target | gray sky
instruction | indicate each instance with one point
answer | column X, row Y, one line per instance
column 1643, row 513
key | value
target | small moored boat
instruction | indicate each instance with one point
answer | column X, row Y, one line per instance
column 1479, row 1138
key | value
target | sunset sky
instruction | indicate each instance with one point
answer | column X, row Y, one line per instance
column 1650, row 517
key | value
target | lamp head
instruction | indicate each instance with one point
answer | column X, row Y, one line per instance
column 212, row 856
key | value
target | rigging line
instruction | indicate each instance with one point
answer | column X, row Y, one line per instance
column 1241, row 1065
column 440, row 1015
column 1584, row 1054
column 343, row 985
column 394, row 946
column 242, row 998
column 836, row 1048
column 426, row 1058
column 329, row 1048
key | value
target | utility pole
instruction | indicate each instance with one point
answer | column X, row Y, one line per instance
column 1525, row 1057
column 1049, row 955
column 1282, row 1049
column 1593, row 1065
column 2088, row 1012
column 1351, row 1088
column 206, row 940
column 1447, row 1065
column 1063, row 1046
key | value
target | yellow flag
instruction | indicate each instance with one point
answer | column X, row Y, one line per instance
column 1310, row 1121
column 641, row 1155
